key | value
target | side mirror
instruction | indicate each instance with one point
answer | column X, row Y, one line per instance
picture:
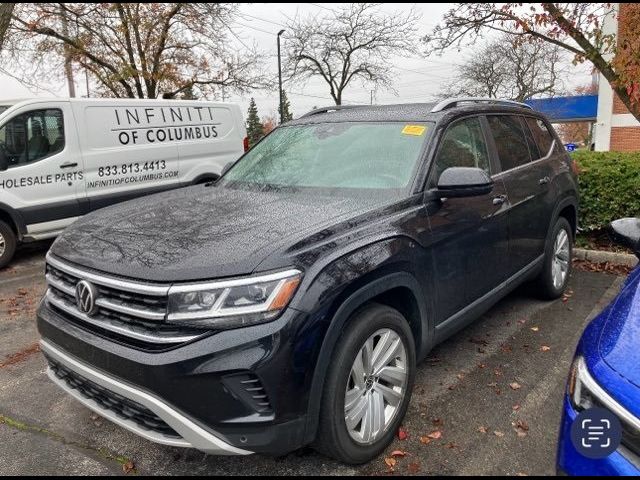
column 457, row 182
column 4, row 161
column 626, row 232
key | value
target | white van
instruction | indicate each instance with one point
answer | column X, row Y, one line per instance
column 62, row 158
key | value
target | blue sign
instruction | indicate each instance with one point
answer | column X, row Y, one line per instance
column 571, row 147
column 579, row 108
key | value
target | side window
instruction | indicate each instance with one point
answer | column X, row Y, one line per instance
column 32, row 136
column 510, row 141
column 463, row 145
column 541, row 134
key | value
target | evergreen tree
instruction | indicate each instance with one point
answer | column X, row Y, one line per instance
column 255, row 129
column 286, row 108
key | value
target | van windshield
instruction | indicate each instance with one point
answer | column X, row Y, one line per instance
column 347, row 155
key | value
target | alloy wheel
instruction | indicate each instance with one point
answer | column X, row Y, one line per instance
column 376, row 386
column 561, row 259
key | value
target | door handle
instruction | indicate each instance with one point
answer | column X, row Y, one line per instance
column 499, row 200
column 68, row 165
column 544, row 180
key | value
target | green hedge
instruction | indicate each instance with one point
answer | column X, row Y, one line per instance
column 609, row 187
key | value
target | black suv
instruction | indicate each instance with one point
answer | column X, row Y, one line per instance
column 289, row 303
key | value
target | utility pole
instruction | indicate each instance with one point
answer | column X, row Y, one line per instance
column 371, row 97
column 68, row 67
column 280, row 78
column 86, row 80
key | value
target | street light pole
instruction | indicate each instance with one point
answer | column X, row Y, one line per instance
column 280, row 78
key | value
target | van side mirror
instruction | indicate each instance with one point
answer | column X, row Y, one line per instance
column 457, row 182
column 626, row 232
column 4, row 161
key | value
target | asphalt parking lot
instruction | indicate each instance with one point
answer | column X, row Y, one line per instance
column 486, row 402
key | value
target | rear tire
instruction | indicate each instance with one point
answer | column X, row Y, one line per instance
column 8, row 242
column 379, row 400
column 553, row 279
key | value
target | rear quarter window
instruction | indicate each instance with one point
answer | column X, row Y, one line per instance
column 510, row 141
column 541, row 134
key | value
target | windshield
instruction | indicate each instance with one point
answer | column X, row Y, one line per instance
column 350, row 155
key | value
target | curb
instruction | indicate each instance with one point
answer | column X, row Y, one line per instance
column 598, row 256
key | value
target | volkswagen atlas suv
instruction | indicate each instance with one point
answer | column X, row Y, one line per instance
column 289, row 303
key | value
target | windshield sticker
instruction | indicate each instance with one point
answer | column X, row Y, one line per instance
column 416, row 130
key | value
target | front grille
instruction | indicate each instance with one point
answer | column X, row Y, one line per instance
column 125, row 311
column 123, row 407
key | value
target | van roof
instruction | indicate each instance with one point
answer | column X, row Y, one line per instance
column 15, row 101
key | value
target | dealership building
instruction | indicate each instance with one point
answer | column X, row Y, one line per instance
column 615, row 128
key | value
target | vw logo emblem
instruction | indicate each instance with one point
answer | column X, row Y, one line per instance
column 86, row 295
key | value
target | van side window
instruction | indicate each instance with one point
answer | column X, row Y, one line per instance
column 510, row 141
column 541, row 135
column 32, row 136
column 463, row 145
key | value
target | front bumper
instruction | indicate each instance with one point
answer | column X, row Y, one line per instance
column 193, row 388
column 191, row 434
column 572, row 463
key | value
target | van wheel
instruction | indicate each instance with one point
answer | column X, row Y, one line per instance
column 8, row 243
column 368, row 386
column 553, row 280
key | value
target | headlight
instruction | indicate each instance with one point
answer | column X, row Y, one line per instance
column 233, row 303
column 581, row 396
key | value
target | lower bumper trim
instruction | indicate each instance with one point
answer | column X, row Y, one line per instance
column 192, row 434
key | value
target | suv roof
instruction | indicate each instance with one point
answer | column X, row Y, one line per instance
column 410, row 111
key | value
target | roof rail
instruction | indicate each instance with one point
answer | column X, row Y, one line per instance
column 453, row 102
column 331, row 108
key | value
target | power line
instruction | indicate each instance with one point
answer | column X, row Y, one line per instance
column 262, row 19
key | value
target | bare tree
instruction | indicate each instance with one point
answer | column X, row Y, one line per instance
column 6, row 10
column 574, row 27
column 355, row 42
column 506, row 68
column 142, row 50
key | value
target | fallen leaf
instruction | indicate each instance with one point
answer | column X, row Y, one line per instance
column 460, row 376
column 497, row 372
column 425, row 440
column 483, row 430
column 398, row 453
column 545, row 348
column 506, row 348
column 515, row 386
column 437, row 435
column 413, row 467
column 522, row 322
column 535, row 329
column 482, row 366
column 402, row 434
column 498, row 434
column 128, row 467
column 390, row 461
column 516, row 408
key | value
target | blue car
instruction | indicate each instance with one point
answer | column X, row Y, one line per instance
column 605, row 378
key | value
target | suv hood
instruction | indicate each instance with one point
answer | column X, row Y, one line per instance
column 618, row 344
column 199, row 232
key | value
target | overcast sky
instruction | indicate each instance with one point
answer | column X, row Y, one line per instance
column 416, row 79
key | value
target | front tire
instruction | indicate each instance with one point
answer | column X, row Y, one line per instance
column 8, row 242
column 368, row 386
column 554, row 278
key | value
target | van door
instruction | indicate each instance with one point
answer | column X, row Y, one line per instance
column 216, row 140
column 128, row 151
column 526, row 189
column 45, row 178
